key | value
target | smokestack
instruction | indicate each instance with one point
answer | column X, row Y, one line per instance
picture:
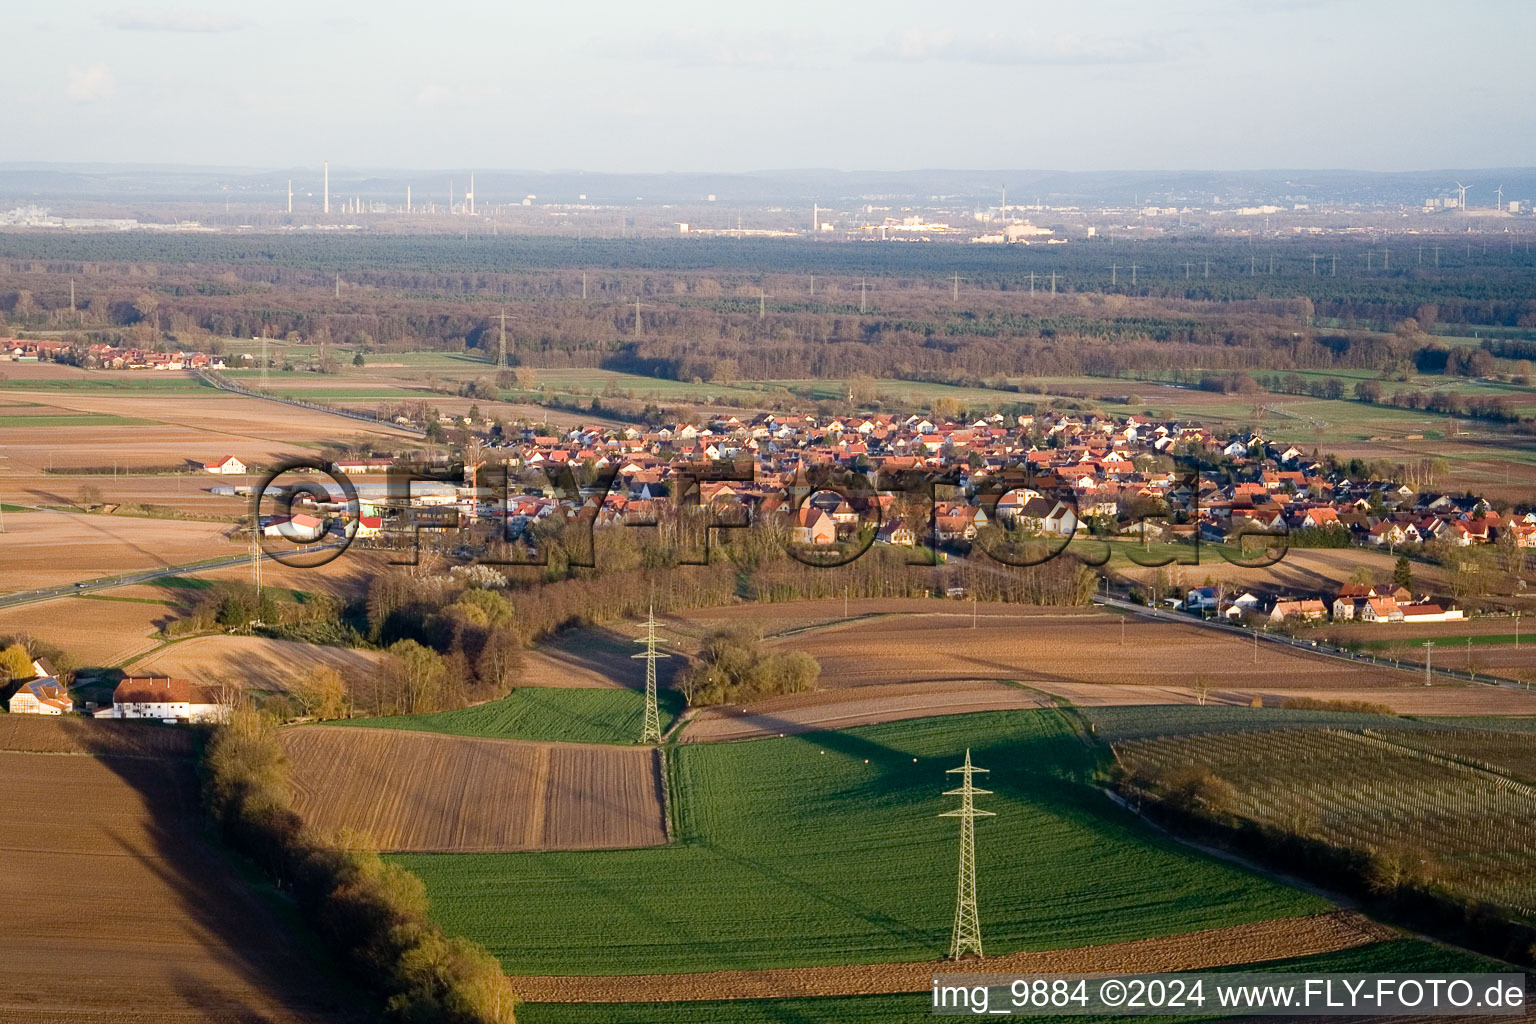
column 407, row 199
column 290, row 195
column 327, row 208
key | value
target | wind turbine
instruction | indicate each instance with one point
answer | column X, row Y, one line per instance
column 1463, row 195
column 1499, row 202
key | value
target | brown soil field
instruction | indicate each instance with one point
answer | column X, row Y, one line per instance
column 96, row 633
column 1217, row 947
column 50, row 734
column 1468, row 699
column 1303, row 571
column 44, row 549
column 843, row 709
column 188, row 492
column 1391, row 631
column 199, row 425
column 119, row 911
column 1042, row 649
column 254, row 662
column 398, row 790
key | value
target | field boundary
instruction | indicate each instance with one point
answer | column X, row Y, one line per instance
column 1276, row 939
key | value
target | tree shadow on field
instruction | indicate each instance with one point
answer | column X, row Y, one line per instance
column 608, row 653
column 241, row 930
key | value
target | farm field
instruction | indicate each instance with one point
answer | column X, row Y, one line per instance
column 162, row 926
column 398, row 790
column 760, row 821
column 1391, row 955
column 1072, row 648
column 96, row 633
column 44, row 549
column 255, row 663
column 198, row 426
column 574, row 715
column 1302, row 570
column 1469, row 829
column 843, row 709
column 40, row 734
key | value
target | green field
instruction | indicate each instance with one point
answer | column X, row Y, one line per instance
column 1400, row 956
column 827, row 848
column 159, row 382
column 85, row 419
column 558, row 714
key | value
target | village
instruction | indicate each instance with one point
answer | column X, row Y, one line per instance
column 1053, row 479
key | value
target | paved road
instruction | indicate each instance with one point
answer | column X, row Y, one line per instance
column 108, row 582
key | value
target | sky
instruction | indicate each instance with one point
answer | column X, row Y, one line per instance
column 704, row 85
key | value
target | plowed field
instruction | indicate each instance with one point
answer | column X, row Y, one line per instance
column 430, row 792
column 117, row 911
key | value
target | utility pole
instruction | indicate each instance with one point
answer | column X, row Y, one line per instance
column 583, row 284
column 338, row 284
column 1335, row 265
column 650, row 732
column 966, row 937
column 1031, row 282
column 1114, row 274
column 637, row 316
column 1207, row 268
column 1188, row 269
column 1429, row 647
column 1053, row 282
column 955, row 294
column 863, row 293
column 762, row 304
column 1314, row 264
column 501, row 356
column 1133, row 275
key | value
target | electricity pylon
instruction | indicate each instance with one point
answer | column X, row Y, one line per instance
column 651, row 731
column 967, row 934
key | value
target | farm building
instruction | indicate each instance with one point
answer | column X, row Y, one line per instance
column 41, row 696
column 227, row 466
column 170, row 700
column 1430, row 613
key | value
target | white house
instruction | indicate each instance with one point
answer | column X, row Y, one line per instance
column 41, row 696
column 166, row 699
column 228, row 466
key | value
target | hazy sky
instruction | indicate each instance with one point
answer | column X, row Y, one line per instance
column 719, row 85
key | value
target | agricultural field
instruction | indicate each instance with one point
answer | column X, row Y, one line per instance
column 45, row 549
column 1468, row 829
column 827, row 848
column 152, row 923
column 96, row 633
column 1042, row 649
column 573, row 715
column 1396, row 954
column 843, row 709
column 1301, row 570
column 39, row 734
column 256, row 664
column 397, row 790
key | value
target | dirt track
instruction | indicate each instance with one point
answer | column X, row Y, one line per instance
column 1219, row 947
